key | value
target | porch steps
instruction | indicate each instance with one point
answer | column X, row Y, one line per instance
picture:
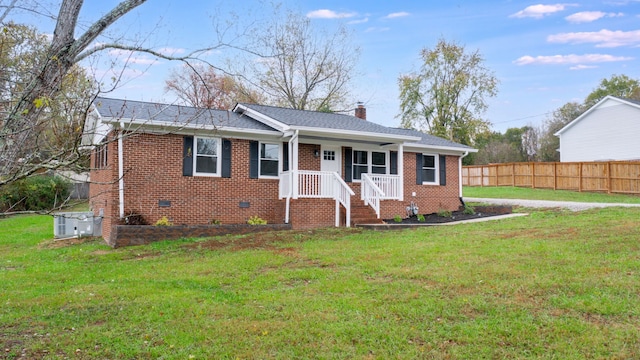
column 363, row 214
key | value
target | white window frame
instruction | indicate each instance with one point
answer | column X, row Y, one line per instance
column 279, row 160
column 436, row 168
column 387, row 164
column 218, row 156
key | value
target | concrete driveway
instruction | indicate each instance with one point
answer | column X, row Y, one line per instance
column 571, row 205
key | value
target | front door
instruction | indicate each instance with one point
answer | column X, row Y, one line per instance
column 330, row 159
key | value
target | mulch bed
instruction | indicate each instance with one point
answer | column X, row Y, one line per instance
column 459, row 215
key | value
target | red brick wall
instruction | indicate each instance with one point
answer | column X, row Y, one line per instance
column 153, row 172
column 103, row 191
column 429, row 198
column 313, row 213
column 307, row 159
column 153, row 167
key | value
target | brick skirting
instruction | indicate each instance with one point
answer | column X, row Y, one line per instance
column 128, row 235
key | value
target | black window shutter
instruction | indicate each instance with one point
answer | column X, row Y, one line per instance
column 187, row 156
column 226, row 158
column 393, row 162
column 253, row 159
column 419, row 169
column 443, row 170
column 285, row 156
column 348, row 162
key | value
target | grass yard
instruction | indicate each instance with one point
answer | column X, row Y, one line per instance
column 555, row 284
column 510, row 192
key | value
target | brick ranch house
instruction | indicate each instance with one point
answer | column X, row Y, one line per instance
column 309, row 169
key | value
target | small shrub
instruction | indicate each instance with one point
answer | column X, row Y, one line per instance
column 397, row 218
column 163, row 222
column 469, row 210
column 256, row 220
column 132, row 218
column 420, row 218
column 444, row 213
column 40, row 192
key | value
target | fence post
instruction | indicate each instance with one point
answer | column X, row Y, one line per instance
column 609, row 185
column 482, row 176
column 513, row 174
column 533, row 175
column 555, row 175
column 580, row 179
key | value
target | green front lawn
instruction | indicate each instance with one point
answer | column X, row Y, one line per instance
column 510, row 192
column 554, row 284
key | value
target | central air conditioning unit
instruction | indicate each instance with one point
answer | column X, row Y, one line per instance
column 70, row 224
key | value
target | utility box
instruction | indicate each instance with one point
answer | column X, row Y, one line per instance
column 70, row 224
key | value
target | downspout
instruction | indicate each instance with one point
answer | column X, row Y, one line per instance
column 460, row 176
column 121, row 171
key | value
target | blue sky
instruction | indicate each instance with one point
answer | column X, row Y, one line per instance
column 543, row 53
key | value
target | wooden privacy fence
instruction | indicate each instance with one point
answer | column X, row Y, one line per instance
column 611, row 177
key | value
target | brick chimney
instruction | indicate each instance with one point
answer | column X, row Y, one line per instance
column 361, row 111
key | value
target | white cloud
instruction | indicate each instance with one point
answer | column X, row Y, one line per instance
column 589, row 16
column 539, row 11
column 396, row 15
column 569, row 59
column 582, row 67
column 329, row 14
column 361, row 21
column 603, row 38
column 377, row 29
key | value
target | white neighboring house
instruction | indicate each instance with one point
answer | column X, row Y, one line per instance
column 609, row 130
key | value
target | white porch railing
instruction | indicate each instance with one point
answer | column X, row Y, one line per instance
column 376, row 187
column 389, row 184
column 371, row 193
column 319, row 185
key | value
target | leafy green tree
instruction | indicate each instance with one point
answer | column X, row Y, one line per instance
column 449, row 94
column 52, row 137
column 34, row 89
column 549, row 143
column 617, row 85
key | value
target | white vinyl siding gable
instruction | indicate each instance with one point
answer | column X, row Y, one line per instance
column 611, row 131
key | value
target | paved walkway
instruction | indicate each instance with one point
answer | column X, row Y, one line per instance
column 571, row 205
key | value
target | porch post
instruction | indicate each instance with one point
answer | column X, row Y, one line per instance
column 401, row 171
column 293, row 166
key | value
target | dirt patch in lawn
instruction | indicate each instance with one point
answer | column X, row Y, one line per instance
column 459, row 215
column 272, row 240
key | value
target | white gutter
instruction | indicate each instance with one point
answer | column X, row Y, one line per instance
column 460, row 171
column 183, row 128
column 121, row 171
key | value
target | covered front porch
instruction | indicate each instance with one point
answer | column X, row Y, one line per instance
column 338, row 170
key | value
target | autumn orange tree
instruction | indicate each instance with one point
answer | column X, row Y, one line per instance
column 203, row 86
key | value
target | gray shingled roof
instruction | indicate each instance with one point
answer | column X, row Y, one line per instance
column 632, row 101
column 430, row 140
column 174, row 114
column 294, row 117
column 319, row 119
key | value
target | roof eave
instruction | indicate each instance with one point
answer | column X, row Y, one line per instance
column 355, row 135
column 267, row 120
column 440, row 147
